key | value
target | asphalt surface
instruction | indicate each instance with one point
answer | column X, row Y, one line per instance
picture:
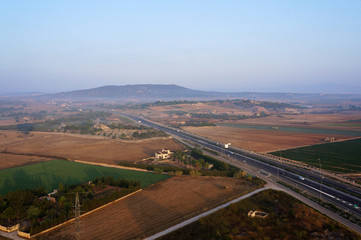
column 314, row 182
column 196, row 218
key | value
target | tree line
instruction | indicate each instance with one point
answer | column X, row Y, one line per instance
column 35, row 212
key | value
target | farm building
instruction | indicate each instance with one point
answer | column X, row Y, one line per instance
column 52, row 199
column 164, row 154
column 329, row 139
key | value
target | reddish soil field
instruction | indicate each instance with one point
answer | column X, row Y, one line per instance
column 204, row 108
column 10, row 160
column 260, row 140
column 319, row 120
column 7, row 122
column 79, row 147
column 154, row 209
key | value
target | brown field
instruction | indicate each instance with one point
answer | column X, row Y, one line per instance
column 319, row 120
column 260, row 140
column 11, row 160
column 155, row 208
column 204, row 108
column 83, row 147
column 8, row 122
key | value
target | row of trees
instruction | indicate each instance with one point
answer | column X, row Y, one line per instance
column 195, row 158
column 37, row 214
column 222, row 116
column 187, row 159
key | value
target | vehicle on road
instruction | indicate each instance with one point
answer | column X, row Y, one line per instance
column 301, row 178
column 267, row 174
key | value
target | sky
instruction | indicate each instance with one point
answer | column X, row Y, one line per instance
column 235, row 46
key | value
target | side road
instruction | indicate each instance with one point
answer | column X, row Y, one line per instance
column 305, row 200
column 182, row 224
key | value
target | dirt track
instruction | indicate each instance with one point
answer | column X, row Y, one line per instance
column 155, row 208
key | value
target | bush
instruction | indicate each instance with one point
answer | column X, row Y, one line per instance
column 158, row 171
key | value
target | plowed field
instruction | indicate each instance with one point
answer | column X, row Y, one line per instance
column 10, row 160
column 87, row 148
column 261, row 140
column 157, row 207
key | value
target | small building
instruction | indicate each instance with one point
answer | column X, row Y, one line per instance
column 164, row 154
column 257, row 214
column 329, row 139
column 52, row 199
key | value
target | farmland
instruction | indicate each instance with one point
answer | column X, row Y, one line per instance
column 261, row 140
column 288, row 219
column 341, row 157
column 82, row 147
column 50, row 174
column 11, row 160
column 297, row 129
column 155, row 208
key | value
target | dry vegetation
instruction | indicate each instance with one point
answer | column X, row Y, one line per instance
column 260, row 140
column 11, row 160
column 82, row 147
column 314, row 120
column 287, row 218
column 155, row 208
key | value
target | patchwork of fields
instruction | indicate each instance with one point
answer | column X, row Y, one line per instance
column 50, row 174
column 341, row 157
column 261, row 140
column 157, row 207
column 287, row 218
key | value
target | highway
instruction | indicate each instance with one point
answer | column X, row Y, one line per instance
column 297, row 177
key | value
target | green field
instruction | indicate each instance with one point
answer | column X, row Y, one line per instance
column 344, row 157
column 50, row 174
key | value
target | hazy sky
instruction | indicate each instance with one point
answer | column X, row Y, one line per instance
column 298, row 46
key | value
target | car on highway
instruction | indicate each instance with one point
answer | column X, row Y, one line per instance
column 301, row 178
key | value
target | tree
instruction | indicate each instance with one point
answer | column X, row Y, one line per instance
column 178, row 173
column 237, row 174
column 61, row 187
column 9, row 213
column 16, row 201
column 158, row 171
column 194, row 173
column 32, row 213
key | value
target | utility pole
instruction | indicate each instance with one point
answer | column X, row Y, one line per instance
column 278, row 175
column 77, row 217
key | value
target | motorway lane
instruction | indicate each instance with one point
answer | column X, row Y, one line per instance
column 343, row 200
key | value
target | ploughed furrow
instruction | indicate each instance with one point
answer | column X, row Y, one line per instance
column 156, row 208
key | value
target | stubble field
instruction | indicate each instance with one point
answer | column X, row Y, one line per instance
column 157, row 207
column 82, row 147
column 261, row 140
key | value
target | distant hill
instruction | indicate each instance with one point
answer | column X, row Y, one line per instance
column 135, row 91
column 155, row 92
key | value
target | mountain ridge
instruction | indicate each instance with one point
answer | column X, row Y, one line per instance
column 154, row 92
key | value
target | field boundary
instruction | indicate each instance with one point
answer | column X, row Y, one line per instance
column 310, row 167
column 110, row 165
column 193, row 219
column 310, row 145
column 85, row 214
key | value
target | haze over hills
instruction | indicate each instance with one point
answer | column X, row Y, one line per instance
column 167, row 92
